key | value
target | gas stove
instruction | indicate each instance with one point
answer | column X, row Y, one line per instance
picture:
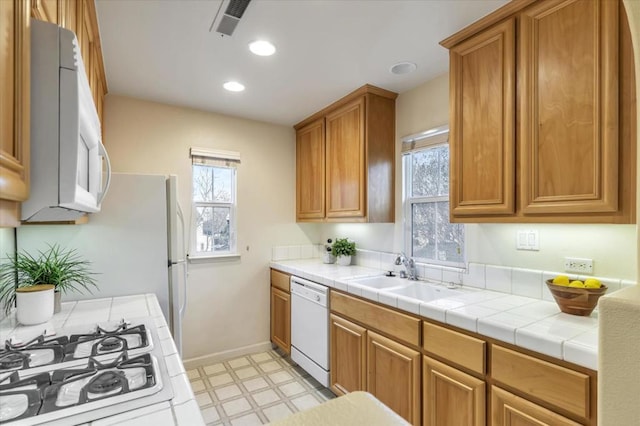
column 81, row 374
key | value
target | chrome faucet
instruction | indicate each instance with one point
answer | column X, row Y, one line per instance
column 409, row 265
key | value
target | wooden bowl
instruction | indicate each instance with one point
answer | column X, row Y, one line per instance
column 575, row 300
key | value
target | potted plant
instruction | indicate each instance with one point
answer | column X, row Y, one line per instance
column 343, row 249
column 62, row 268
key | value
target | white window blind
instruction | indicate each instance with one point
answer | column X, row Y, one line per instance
column 215, row 157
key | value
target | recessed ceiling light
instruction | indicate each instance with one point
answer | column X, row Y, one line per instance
column 403, row 68
column 233, row 86
column 262, row 48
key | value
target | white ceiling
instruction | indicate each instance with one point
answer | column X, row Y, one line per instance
column 162, row 50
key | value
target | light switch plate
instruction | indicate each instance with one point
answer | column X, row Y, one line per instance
column 527, row 240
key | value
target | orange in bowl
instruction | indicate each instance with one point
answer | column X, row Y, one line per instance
column 576, row 300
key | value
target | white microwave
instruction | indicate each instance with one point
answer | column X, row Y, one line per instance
column 67, row 155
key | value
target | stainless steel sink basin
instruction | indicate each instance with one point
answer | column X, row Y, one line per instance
column 424, row 292
column 380, row 282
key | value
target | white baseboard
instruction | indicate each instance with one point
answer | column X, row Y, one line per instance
column 192, row 363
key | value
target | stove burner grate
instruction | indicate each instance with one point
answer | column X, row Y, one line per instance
column 111, row 343
column 12, row 360
column 106, row 382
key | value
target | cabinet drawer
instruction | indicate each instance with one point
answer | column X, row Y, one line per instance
column 558, row 386
column 458, row 348
column 509, row 409
column 400, row 326
column 280, row 280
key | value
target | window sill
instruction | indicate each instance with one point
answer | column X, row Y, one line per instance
column 213, row 257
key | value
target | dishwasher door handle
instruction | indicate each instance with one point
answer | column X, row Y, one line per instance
column 310, row 294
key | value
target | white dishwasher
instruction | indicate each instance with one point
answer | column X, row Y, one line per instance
column 310, row 328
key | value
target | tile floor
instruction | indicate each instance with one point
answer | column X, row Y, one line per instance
column 254, row 389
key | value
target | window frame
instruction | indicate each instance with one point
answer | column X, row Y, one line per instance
column 408, row 201
column 219, row 160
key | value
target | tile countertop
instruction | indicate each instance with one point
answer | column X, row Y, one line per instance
column 533, row 324
column 181, row 410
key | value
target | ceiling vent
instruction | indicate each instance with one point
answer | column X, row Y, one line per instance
column 231, row 16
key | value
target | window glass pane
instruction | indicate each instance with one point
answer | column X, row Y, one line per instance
column 212, row 184
column 443, row 159
column 450, row 236
column 222, row 184
column 424, row 173
column 212, row 229
column 423, row 241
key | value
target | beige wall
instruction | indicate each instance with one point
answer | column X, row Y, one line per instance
column 228, row 300
column 619, row 342
column 612, row 247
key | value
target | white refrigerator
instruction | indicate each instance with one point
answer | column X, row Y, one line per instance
column 136, row 244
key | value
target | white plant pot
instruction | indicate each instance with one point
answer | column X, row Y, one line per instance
column 344, row 260
column 34, row 304
column 328, row 257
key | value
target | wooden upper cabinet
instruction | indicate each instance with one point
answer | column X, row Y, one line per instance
column 345, row 161
column 551, row 136
column 310, row 171
column 482, row 110
column 358, row 161
column 48, row 10
column 569, row 106
column 14, row 108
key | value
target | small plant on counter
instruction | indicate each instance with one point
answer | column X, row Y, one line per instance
column 343, row 247
column 62, row 268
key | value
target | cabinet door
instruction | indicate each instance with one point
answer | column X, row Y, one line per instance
column 85, row 35
column 346, row 176
column 393, row 376
column 14, row 106
column 508, row 409
column 47, row 10
column 568, row 73
column 482, row 111
column 347, row 356
column 451, row 397
column 281, row 319
column 310, row 177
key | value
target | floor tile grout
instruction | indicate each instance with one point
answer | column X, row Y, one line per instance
column 262, row 369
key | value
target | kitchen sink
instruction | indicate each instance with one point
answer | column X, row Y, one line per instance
column 424, row 292
column 380, row 282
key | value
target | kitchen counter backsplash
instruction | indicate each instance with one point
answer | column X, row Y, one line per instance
column 504, row 279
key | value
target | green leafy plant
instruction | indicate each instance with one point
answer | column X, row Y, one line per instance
column 60, row 267
column 343, row 247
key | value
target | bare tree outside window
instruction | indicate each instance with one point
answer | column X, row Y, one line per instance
column 214, row 202
column 430, row 235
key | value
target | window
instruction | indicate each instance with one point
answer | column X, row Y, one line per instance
column 429, row 237
column 214, row 223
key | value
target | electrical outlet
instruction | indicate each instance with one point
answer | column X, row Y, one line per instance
column 575, row 264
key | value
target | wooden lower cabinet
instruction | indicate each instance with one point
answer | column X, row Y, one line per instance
column 281, row 319
column 393, row 376
column 451, row 397
column 348, row 348
column 508, row 409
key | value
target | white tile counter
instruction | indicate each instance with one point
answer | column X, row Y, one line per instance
column 530, row 323
column 181, row 410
